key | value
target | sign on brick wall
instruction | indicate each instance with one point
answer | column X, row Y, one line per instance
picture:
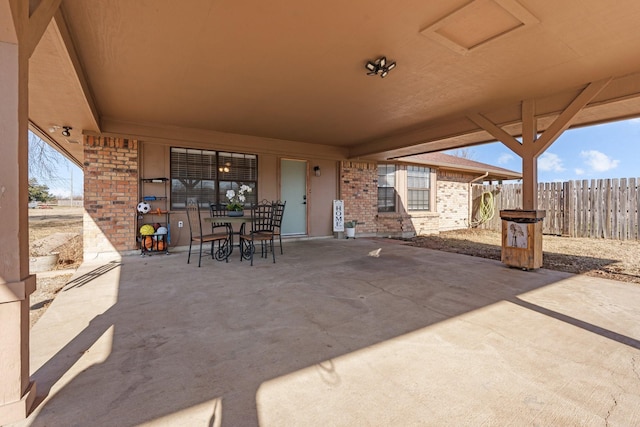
column 338, row 215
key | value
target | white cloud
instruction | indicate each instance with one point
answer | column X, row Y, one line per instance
column 598, row 161
column 550, row 162
column 636, row 120
column 579, row 171
column 505, row 158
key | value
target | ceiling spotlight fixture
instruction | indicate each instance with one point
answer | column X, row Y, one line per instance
column 226, row 168
column 66, row 131
column 379, row 67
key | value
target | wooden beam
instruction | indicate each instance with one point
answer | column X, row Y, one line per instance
column 565, row 118
column 502, row 136
column 529, row 156
column 529, row 122
column 63, row 33
column 38, row 22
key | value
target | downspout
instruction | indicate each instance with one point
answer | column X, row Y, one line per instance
column 470, row 204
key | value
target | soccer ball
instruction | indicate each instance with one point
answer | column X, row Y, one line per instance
column 144, row 207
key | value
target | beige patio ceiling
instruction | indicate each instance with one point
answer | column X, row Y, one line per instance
column 294, row 70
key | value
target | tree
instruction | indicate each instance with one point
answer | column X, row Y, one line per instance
column 43, row 159
column 38, row 192
column 464, row 153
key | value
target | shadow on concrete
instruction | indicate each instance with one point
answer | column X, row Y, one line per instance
column 85, row 278
column 603, row 332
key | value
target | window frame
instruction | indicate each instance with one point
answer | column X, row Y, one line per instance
column 424, row 202
column 241, row 169
column 383, row 179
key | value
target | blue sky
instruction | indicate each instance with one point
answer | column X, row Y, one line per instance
column 69, row 176
column 610, row 150
column 66, row 175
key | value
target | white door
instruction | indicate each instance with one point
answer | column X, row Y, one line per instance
column 293, row 190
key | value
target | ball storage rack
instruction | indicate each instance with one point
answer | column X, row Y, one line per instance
column 154, row 191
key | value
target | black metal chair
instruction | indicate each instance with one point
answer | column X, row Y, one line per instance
column 278, row 213
column 223, row 238
column 261, row 229
column 219, row 213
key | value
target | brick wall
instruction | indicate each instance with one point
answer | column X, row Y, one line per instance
column 110, row 194
column 452, row 199
column 424, row 223
column 359, row 190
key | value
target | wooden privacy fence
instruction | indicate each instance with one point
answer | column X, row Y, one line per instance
column 603, row 208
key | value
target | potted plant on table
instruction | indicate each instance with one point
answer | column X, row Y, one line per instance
column 235, row 205
column 350, row 228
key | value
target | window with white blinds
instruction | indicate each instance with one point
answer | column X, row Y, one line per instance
column 207, row 175
column 386, row 188
column 418, row 188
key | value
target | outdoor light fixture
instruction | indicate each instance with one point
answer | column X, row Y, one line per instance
column 379, row 67
column 316, row 170
column 66, row 131
column 53, row 128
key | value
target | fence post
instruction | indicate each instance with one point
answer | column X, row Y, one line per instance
column 633, row 215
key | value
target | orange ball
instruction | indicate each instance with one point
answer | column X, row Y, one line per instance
column 147, row 241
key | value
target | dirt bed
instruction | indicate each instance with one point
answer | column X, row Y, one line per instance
column 611, row 259
column 43, row 224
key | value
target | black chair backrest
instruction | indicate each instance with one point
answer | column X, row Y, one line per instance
column 278, row 213
column 193, row 216
column 218, row 211
column 262, row 218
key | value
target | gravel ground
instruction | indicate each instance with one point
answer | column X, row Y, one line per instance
column 611, row 259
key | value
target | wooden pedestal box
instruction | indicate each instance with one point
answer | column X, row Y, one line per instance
column 522, row 238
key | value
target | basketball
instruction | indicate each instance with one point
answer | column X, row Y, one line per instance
column 147, row 242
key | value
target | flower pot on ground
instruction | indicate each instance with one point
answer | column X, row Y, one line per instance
column 350, row 229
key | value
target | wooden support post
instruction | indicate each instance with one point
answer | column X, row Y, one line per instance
column 16, row 392
column 529, row 182
column 531, row 146
column 22, row 23
column 529, row 156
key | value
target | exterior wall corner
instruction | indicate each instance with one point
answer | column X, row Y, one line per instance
column 110, row 194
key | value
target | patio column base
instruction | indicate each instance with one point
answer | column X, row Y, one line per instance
column 18, row 410
column 17, row 393
column 17, row 291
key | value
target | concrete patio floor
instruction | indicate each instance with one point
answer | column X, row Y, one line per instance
column 333, row 336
